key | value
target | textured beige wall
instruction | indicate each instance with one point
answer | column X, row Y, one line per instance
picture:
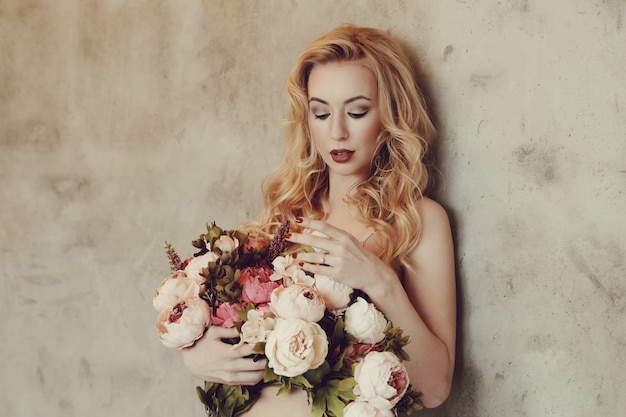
column 126, row 123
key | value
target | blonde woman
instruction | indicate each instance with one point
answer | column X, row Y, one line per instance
column 353, row 177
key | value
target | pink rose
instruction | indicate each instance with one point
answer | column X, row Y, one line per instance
column 381, row 380
column 254, row 244
column 177, row 286
column 184, row 323
column 256, row 285
column 226, row 315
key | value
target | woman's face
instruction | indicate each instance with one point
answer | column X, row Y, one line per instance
column 344, row 118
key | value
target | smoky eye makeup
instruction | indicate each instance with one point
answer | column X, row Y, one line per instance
column 358, row 115
column 319, row 112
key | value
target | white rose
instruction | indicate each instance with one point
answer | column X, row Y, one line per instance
column 177, row 286
column 184, row 323
column 298, row 301
column 336, row 295
column 257, row 328
column 364, row 322
column 295, row 346
column 226, row 243
column 381, row 380
column 287, row 269
column 363, row 409
column 197, row 263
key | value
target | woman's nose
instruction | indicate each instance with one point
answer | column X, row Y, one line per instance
column 338, row 128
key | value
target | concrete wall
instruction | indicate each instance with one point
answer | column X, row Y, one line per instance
column 124, row 124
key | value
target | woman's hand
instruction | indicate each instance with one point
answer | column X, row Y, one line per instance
column 213, row 360
column 340, row 256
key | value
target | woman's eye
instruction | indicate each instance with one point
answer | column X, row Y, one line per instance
column 357, row 115
column 321, row 116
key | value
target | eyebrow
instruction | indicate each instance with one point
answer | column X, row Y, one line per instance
column 350, row 100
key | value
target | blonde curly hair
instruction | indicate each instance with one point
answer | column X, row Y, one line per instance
column 387, row 200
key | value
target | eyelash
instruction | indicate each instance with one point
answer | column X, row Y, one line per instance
column 357, row 115
column 353, row 115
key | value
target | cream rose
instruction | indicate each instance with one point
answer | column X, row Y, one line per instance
column 287, row 269
column 364, row 322
column 226, row 243
column 197, row 263
column 184, row 323
column 177, row 286
column 363, row 409
column 336, row 295
column 257, row 328
column 381, row 380
column 295, row 346
column 298, row 301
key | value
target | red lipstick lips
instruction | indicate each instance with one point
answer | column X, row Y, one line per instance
column 341, row 155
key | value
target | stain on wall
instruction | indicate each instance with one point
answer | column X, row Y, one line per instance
column 125, row 124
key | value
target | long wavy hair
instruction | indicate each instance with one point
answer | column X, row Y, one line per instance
column 387, row 200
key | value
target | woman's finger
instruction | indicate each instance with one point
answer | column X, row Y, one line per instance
column 321, row 226
column 218, row 332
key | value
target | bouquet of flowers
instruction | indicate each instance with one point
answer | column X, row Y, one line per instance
column 316, row 333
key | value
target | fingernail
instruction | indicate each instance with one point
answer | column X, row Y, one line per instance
column 301, row 263
column 287, row 235
column 294, row 255
column 298, row 219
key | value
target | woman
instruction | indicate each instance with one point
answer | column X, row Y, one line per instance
column 353, row 178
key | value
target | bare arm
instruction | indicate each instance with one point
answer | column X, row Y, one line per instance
column 424, row 307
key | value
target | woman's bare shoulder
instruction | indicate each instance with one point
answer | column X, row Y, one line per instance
column 434, row 250
column 432, row 213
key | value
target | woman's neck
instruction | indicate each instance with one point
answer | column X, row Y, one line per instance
column 338, row 188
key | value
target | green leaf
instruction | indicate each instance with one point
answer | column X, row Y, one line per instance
column 301, row 381
column 346, row 385
column 315, row 376
column 328, row 400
